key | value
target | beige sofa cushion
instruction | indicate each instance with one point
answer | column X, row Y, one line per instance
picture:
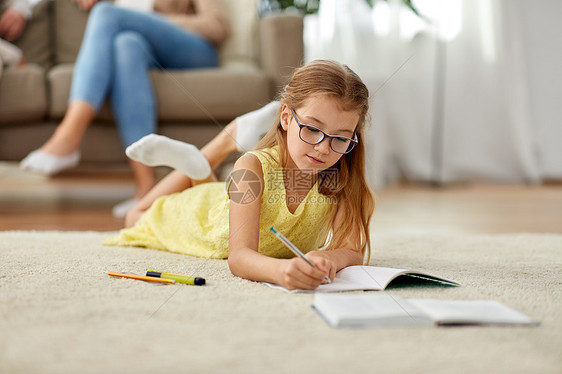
column 184, row 95
column 23, row 94
column 209, row 94
column 67, row 17
column 242, row 43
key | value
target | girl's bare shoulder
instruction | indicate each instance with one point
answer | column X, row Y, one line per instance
column 248, row 161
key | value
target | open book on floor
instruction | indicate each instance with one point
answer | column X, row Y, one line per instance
column 366, row 278
column 362, row 310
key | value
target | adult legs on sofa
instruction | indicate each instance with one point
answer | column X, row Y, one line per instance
column 118, row 49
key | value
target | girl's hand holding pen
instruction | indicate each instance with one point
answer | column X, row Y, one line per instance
column 296, row 273
column 329, row 267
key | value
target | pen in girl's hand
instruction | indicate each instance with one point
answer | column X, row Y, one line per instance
column 295, row 250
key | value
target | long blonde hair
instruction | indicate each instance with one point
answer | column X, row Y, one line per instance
column 353, row 196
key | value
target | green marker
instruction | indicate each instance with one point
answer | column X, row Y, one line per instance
column 186, row 279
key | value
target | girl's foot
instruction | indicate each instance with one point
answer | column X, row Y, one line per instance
column 158, row 150
column 252, row 126
column 45, row 163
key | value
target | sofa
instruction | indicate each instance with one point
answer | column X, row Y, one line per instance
column 193, row 105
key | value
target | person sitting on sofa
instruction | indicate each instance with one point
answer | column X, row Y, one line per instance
column 119, row 47
column 14, row 18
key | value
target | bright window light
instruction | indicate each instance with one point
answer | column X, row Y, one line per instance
column 445, row 14
column 381, row 18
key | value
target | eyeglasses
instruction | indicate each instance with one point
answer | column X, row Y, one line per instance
column 312, row 135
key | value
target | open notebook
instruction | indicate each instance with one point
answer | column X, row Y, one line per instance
column 361, row 310
column 356, row 278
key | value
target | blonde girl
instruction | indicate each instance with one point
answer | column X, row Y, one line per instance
column 306, row 178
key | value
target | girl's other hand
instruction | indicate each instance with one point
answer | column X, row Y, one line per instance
column 323, row 263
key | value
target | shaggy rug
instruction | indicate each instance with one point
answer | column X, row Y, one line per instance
column 61, row 313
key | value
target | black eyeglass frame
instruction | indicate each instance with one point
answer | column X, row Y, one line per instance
column 352, row 144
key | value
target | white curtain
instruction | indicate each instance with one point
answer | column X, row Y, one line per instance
column 451, row 97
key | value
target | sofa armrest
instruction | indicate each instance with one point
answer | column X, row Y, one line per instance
column 36, row 41
column 281, row 47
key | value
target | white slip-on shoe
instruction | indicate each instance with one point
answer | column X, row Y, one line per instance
column 45, row 163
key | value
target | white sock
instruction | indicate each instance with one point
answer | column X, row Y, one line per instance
column 158, row 150
column 252, row 126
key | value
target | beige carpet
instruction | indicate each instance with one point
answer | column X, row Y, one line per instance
column 60, row 313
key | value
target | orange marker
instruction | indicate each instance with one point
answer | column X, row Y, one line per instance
column 141, row 277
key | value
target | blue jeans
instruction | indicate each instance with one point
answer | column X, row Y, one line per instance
column 119, row 48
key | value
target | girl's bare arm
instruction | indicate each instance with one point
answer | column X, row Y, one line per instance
column 244, row 259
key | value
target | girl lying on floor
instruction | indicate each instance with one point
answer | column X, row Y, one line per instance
column 306, row 177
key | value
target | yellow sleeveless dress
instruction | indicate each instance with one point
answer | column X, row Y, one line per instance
column 195, row 221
